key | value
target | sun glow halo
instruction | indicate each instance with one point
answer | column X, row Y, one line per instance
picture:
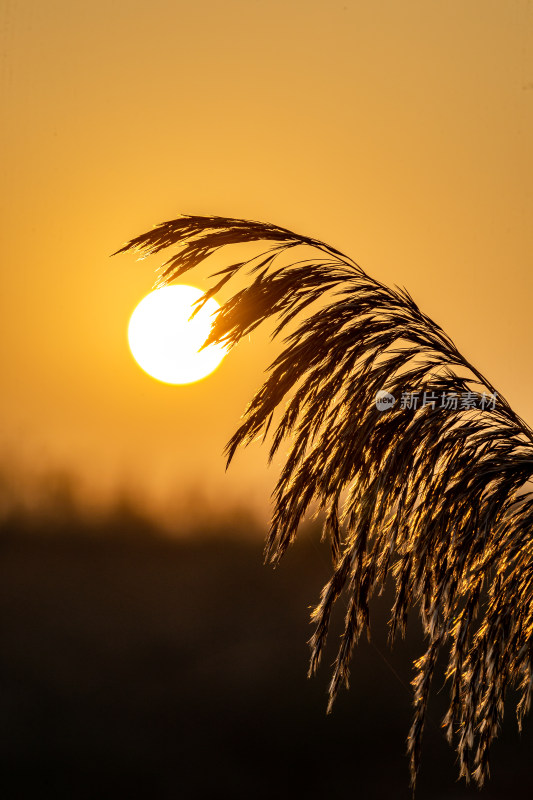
column 166, row 343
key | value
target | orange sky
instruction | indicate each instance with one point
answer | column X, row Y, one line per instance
column 400, row 132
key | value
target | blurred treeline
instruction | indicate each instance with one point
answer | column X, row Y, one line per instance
column 139, row 665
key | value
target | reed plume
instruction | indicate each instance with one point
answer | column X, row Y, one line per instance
column 430, row 491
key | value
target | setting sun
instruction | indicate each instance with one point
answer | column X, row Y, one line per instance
column 166, row 343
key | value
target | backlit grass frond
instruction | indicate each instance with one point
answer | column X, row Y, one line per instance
column 432, row 495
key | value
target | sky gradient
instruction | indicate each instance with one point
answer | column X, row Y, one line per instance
column 398, row 132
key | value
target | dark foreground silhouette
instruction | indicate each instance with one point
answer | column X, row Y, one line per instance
column 134, row 666
column 418, row 474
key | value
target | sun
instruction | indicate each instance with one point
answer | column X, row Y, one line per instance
column 166, row 343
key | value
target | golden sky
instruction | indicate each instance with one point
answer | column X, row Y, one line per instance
column 399, row 132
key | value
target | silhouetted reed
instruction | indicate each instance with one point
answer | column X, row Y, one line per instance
column 430, row 495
